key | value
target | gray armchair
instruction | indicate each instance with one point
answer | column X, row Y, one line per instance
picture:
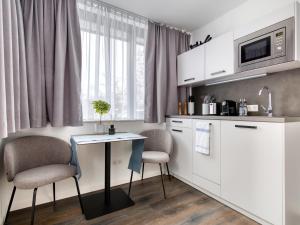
column 157, row 149
column 34, row 161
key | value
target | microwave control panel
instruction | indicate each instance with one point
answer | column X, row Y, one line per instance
column 279, row 42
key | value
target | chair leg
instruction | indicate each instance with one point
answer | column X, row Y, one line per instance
column 168, row 171
column 54, row 198
column 143, row 171
column 33, row 206
column 79, row 195
column 10, row 203
column 130, row 183
column 162, row 180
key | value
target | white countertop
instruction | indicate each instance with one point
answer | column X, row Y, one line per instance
column 242, row 118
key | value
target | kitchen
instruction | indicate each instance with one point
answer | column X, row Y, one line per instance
column 153, row 112
column 242, row 87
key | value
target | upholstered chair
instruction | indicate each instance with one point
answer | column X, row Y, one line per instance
column 157, row 149
column 34, row 161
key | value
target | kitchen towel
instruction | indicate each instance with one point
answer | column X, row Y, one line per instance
column 202, row 137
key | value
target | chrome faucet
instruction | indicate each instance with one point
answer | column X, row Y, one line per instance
column 268, row 110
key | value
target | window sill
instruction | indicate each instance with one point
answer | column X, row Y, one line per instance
column 111, row 121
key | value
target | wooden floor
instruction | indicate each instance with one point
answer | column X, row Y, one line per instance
column 184, row 206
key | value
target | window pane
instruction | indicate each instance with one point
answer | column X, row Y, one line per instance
column 140, row 82
column 113, row 61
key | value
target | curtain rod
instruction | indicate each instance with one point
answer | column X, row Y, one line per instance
column 120, row 9
column 140, row 16
column 170, row 26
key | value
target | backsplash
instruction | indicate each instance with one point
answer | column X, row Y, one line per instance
column 285, row 88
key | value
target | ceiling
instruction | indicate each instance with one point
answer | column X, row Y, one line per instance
column 184, row 14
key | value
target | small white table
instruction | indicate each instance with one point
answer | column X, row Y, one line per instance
column 98, row 204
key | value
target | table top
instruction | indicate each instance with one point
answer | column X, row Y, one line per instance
column 103, row 138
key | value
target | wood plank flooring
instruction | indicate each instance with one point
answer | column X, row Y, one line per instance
column 184, row 206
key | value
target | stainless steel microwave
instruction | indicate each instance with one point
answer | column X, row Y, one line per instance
column 270, row 46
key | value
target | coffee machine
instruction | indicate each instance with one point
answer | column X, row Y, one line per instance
column 228, row 108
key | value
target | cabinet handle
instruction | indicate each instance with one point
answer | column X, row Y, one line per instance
column 177, row 121
column 189, row 79
column 246, row 127
column 177, row 130
column 218, row 72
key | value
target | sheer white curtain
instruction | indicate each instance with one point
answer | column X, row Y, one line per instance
column 113, row 50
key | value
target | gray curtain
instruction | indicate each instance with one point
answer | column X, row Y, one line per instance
column 161, row 92
column 53, row 53
column 14, row 113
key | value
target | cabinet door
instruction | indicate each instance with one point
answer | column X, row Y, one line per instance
column 219, row 56
column 178, row 122
column 252, row 158
column 208, row 166
column 181, row 157
column 190, row 66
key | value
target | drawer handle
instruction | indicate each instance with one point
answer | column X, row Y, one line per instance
column 177, row 130
column 218, row 72
column 177, row 121
column 189, row 79
column 246, row 127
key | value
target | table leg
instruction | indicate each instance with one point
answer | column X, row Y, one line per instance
column 110, row 200
column 107, row 172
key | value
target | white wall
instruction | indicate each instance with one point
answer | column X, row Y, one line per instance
column 91, row 161
column 249, row 11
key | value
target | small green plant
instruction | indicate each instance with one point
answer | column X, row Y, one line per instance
column 101, row 107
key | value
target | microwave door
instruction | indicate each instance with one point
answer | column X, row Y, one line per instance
column 256, row 50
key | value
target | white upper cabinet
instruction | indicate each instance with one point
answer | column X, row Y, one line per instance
column 190, row 66
column 211, row 60
column 219, row 56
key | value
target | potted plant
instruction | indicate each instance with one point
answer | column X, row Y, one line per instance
column 101, row 108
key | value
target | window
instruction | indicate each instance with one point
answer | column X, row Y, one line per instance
column 113, row 60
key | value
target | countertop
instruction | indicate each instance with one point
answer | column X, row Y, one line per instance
column 242, row 118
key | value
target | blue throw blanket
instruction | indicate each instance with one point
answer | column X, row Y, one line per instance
column 74, row 158
column 135, row 161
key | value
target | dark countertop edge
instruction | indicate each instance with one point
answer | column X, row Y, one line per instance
column 241, row 118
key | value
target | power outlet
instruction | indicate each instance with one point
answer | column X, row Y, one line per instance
column 252, row 108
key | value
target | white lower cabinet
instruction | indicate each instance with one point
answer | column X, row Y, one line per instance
column 252, row 167
column 206, row 168
column 181, row 157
